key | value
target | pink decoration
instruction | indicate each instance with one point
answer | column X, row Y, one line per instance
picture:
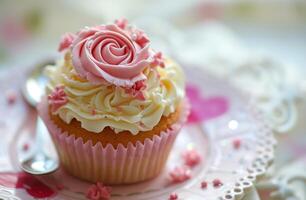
column 106, row 54
column 98, row 192
column 93, row 112
column 217, row 183
column 236, row 143
column 29, row 183
column 57, row 98
column 137, row 90
column 204, row 108
column 122, row 23
column 204, row 184
column 191, row 158
column 158, row 60
column 140, row 37
column 66, row 41
column 180, row 174
column 11, row 96
column 173, row 196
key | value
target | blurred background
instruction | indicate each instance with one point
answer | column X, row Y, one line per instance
column 276, row 28
column 260, row 45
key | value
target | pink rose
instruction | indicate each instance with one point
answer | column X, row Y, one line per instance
column 110, row 54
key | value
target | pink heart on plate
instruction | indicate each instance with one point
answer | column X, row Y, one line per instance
column 202, row 108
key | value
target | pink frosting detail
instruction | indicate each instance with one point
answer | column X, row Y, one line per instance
column 98, row 192
column 66, row 41
column 122, row 23
column 191, row 158
column 137, row 90
column 180, row 174
column 140, row 37
column 158, row 60
column 173, row 196
column 107, row 53
column 57, row 98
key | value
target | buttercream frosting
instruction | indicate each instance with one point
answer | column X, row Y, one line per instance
column 100, row 106
column 110, row 77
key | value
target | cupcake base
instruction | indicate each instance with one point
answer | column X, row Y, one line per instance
column 121, row 165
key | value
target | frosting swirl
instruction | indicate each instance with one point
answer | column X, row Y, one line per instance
column 97, row 106
column 108, row 53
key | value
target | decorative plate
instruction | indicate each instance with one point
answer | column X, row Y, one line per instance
column 225, row 133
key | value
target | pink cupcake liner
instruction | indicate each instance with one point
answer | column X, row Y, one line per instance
column 121, row 165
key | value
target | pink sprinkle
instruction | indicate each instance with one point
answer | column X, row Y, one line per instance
column 121, row 23
column 217, row 183
column 236, row 143
column 98, row 192
column 11, row 97
column 93, row 112
column 180, row 174
column 158, row 60
column 191, row 158
column 66, row 41
column 173, row 196
column 204, row 184
column 137, row 90
column 25, row 147
column 57, row 98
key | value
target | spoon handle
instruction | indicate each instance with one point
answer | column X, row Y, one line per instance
column 41, row 131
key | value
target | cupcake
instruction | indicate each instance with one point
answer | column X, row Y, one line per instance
column 114, row 106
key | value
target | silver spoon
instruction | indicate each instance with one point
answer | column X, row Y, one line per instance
column 39, row 162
